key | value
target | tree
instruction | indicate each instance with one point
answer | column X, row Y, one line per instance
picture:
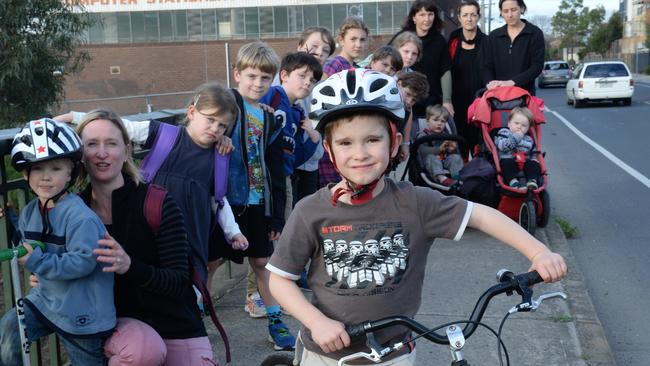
column 647, row 34
column 39, row 42
column 606, row 33
column 543, row 22
column 573, row 22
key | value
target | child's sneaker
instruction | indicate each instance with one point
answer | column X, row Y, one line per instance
column 281, row 337
column 448, row 182
column 255, row 306
column 532, row 184
column 515, row 183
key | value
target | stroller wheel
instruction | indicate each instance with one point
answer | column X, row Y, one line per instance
column 527, row 218
column 545, row 199
column 278, row 359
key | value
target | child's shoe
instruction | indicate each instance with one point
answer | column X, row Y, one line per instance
column 280, row 336
column 255, row 306
column 448, row 182
column 532, row 184
column 514, row 183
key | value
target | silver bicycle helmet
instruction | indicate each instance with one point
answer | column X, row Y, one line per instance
column 42, row 140
column 356, row 90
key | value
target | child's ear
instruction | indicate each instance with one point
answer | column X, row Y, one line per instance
column 236, row 74
column 397, row 144
column 25, row 174
column 283, row 75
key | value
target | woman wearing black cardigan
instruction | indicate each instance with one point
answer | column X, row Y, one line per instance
column 465, row 47
column 515, row 54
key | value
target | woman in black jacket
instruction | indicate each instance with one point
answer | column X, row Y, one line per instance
column 424, row 20
column 515, row 55
column 465, row 47
column 153, row 288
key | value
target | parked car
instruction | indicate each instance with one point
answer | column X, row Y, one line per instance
column 599, row 81
column 554, row 73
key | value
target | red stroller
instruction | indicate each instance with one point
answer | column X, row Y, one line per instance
column 531, row 207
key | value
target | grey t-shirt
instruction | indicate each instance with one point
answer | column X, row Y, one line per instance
column 367, row 261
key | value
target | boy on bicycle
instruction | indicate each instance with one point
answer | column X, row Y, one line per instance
column 367, row 236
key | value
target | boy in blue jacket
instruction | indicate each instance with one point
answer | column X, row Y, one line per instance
column 74, row 297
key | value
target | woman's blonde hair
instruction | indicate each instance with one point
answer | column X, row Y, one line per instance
column 128, row 168
column 406, row 37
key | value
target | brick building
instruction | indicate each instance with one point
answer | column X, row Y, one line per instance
column 150, row 54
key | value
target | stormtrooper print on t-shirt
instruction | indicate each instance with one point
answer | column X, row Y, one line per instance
column 358, row 256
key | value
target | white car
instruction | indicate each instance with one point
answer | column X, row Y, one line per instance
column 598, row 81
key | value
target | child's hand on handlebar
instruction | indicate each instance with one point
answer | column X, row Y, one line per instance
column 33, row 280
column 549, row 265
column 330, row 335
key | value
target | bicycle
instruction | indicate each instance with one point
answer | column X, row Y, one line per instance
column 455, row 335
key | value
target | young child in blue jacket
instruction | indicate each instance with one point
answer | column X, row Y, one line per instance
column 74, row 297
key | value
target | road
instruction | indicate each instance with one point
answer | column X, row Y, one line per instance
column 609, row 203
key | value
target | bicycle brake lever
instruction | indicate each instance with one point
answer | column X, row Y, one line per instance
column 533, row 305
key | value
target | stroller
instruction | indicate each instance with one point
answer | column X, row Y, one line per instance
column 531, row 208
column 415, row 168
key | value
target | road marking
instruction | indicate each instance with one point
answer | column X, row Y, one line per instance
column 643, row 85
column 628, row 169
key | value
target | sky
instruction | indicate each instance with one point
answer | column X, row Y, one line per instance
column 550, row 7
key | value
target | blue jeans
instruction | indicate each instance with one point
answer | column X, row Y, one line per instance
column 10, row 355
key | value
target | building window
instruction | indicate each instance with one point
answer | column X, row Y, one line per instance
column 266, row 22
column 110, row 27
column 123, row 27
column 281, row 21
column 295, row 20
column 339, row 13
column 137, row 26
column 151, row 26
column 385, row 16
column 209, row 24
column 400, row 12
column 325, row 16
column 310, row 15
column 194, row 25
column 237, row 16
column 225, row 25
column 252, row 23
column 166, row 29
column 180, row 25
column 370, row 17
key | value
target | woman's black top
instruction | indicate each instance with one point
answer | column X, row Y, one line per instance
column 157, row 287
column 520, row 61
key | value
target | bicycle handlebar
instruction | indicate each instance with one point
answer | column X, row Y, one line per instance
column 508, row 283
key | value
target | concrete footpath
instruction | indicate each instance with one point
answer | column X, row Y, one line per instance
column 561, row 332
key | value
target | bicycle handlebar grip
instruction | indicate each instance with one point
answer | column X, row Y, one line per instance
column 531, row 278
column 356, row 330
column 8, row 254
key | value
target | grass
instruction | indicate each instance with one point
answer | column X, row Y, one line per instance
column 570, row 231
column 584, row 356
column 561, row 318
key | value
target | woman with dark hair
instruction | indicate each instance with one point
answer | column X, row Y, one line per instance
column 423, row 19
column 465, row 44
column 515, row 55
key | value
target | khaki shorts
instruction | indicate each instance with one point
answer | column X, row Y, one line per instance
column 305, row 357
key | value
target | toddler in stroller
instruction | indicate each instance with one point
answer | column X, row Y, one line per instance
column 440, row 156
column 515, row 149
column 496, row 112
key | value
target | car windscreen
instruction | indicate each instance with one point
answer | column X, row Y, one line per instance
column 605, row 70
column 556, row 66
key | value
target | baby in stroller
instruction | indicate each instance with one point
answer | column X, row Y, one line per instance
column 515, row 147
column 441, row 159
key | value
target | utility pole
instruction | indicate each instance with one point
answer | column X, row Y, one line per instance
column 489, row 16
column 483, row 17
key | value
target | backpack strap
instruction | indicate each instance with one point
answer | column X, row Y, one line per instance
column 209, row 307
column 153, row 203
column 162, row 146
column 221, row 166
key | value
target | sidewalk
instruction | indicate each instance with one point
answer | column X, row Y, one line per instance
column 559, row 333
column 642, row 77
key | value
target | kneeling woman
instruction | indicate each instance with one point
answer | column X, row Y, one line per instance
column 153, row 287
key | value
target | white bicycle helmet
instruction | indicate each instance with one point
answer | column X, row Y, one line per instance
column 356, row 90
column 42, row 140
